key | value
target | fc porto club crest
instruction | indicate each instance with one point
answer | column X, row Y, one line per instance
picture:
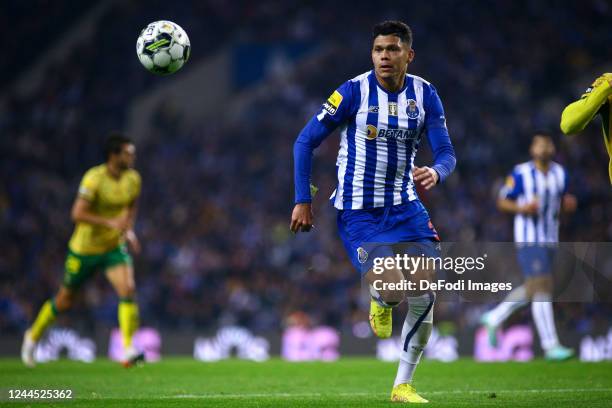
column 412, row 110
column 362, row 255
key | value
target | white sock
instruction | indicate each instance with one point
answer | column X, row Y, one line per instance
column 544, row 319
column 405, row 371
column 376, row 296
column 415, row 334
column 516, row 299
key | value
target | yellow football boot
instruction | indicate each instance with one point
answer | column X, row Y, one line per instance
column 380, row 320
column 406, row 393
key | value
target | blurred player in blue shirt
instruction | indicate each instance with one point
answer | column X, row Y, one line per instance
column 535, row 192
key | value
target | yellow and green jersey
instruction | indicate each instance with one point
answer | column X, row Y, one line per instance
column 109, row 197
column 596, row 100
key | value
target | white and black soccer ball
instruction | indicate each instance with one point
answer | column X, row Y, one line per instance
column 163, row 47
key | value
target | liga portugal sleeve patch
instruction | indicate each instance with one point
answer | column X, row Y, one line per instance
column 333, row 102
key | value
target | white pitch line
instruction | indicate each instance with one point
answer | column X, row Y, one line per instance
column 535, row 391
column 366, row 394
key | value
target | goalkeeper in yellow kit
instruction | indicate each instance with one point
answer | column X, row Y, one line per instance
column 104, row 212
column 597, row 99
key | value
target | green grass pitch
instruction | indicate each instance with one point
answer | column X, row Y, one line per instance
column 350, row 382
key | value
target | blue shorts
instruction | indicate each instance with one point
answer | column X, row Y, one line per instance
column 536, row 260
column 362, row 230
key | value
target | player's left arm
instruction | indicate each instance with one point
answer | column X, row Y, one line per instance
column 309, row 139
column 333, row 113
column 439, row 140
column 130, row 235
column 569, row 202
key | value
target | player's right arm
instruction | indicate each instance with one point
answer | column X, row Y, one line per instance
column 82, row 209
column 81, row 212
column 512, row 189
column 578, row 114
column 337, row 108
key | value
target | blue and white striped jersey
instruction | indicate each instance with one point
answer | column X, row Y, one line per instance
column 380, row 134
column 525, row 184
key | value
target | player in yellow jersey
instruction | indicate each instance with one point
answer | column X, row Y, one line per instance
column 596, row 100
column 104, row 212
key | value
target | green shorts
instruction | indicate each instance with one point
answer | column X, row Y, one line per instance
column 78, row 268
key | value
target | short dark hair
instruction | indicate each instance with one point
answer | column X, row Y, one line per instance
column 393, row 27
column 542, row 133
column 545, row 134
column 114, row 142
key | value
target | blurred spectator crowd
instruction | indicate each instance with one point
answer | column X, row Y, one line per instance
column 217, row 196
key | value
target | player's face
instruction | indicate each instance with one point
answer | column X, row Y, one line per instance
column 542, row 148
column 127, row 156
column 390, row 56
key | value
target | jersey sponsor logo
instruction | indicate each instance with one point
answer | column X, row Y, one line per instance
column 372, row 132
column 412, row 110
column 333, row 102
column 73, row 264
column 372, row 109
column 392, row 109
column 399, row 134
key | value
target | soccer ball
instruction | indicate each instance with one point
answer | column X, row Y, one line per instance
column 163, row 47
